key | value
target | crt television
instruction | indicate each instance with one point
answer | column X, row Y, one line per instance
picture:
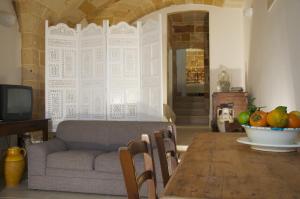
column 15, row 102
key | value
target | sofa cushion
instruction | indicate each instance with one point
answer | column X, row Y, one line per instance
column 104, row 135
column 75, row 173
column 78, row 134
column 110, row 163
column 123, row 132
column 73, row 159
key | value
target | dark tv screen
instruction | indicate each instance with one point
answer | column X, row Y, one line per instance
column 15, row 102
column 18, row 101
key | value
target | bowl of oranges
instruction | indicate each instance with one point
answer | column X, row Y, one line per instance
column 277, row 127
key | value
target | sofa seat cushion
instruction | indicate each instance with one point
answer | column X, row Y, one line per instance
column 110, row 162
column 89, row 174
column 73, row 159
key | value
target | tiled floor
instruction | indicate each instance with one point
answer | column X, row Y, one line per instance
column 21, row 192
column 185, row 136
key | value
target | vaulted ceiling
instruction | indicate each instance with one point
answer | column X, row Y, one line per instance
column 73, row 11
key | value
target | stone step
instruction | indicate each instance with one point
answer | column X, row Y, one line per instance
column 191, row 99
column 192, row 112
column 192, row 120
column 191, row 105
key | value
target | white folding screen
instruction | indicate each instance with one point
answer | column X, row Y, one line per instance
column 123, row 72
column 61, row 73
column 151, row 74
column 104, row 73
column 92, row 72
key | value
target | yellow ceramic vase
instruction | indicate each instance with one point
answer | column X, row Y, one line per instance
column 14, row 165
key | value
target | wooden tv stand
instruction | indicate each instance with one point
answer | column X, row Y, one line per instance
column 21, row 127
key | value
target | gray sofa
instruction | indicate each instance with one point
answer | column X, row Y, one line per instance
column 84, row 156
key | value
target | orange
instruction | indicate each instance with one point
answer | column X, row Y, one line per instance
column 258, row 118
column 277, row 118
column 297, row 113
column 294, row 120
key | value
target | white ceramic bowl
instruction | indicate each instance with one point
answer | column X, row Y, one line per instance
column 268, row 135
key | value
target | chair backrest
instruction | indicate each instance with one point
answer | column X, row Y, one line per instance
column 132, row 181
column 167, row 152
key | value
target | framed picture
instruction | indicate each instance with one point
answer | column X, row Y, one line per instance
column 270, row 4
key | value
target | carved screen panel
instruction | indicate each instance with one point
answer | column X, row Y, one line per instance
column 61, row 73
column 92, row 73
column 151, row 71
column 123, row 72
column 96, row 73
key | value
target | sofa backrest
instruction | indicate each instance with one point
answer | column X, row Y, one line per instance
column 104, row 135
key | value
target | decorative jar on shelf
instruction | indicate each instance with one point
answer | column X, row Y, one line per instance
column 223, row 115
column 223, row 84
column 14, row 165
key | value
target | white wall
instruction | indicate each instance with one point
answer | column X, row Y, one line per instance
column 180, row 68
column 10, row 67
column 226, row 41
column 227, row 45
column 274, row 66
column 248, row 12
column 10, row 49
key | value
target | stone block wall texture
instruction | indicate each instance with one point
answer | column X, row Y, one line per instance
column 32, row 16
column 189, row 30
column 33, row 13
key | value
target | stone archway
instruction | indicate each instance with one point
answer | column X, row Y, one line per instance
column 188, row 38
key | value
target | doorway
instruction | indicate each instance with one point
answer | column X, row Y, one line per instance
column 188, row 44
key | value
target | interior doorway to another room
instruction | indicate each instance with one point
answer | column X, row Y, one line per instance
column 188, row 44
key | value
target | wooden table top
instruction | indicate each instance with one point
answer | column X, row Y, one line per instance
column 215, row 166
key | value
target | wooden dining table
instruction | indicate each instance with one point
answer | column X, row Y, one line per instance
column 216, row 166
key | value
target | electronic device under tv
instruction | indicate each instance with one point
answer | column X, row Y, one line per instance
column 15, row 102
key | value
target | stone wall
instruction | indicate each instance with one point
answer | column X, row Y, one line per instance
column 189, row 30
column 32, row 16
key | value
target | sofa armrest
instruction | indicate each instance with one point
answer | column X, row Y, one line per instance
column 37, row 155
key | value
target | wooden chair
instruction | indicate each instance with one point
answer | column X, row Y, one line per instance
column 133, row 183
column 167, row 167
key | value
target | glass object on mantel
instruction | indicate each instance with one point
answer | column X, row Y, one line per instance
column 223, row 84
